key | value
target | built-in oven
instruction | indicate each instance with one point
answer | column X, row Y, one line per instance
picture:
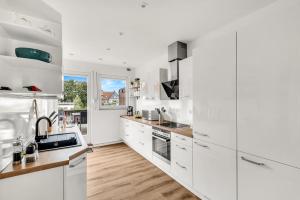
column 161, row 144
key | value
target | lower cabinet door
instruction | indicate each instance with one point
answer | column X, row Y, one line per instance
column 214, row 171
column 75, row 179
column 262, row 179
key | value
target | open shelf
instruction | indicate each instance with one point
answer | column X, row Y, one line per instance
column 27, row 95
column 25, row 62
column 29, row 34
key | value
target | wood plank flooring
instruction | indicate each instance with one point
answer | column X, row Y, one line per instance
column 117, row 172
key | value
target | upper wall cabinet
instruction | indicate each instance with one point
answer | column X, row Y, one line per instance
column 35, row 25
column 269, row 86
column 214, row 90
column 186, row 78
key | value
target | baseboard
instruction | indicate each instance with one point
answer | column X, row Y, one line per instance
column 107, row 143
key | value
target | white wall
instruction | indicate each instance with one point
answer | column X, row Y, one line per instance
column 177, row 110
column 103, row 124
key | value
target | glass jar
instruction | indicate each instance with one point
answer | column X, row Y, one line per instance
column 17, row 151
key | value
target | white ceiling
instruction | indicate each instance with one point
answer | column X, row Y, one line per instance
column 92, row 26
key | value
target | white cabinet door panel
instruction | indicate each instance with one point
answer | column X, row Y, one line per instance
column 269, row 86
column 214, row 69
column 262, row 179
column 214, row 171
column 186, row 78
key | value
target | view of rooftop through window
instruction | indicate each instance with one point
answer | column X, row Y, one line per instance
column 113, row 92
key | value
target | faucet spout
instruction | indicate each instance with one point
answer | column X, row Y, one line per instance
column 37, row 126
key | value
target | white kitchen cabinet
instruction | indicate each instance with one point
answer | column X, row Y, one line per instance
column 186, row 78
column 269, row 85
column 75, row 183
column 214, row 171
column 262, row 179
column 182, row 161
column 214, row 90
column 46, row 185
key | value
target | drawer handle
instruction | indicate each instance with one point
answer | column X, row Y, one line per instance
column 77, row 163
column 201, row 134
column 126, row 135
column 252, row 162
column 141, row 143
column 201, row 145
column 183, row 148
column 181, row 166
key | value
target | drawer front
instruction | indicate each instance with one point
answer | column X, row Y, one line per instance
column 187, row 141
column 181, row 162
column 262, row 179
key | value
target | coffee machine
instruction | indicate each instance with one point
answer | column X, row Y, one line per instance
column 130, row 111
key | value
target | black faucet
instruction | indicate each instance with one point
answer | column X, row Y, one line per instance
column 37, row 136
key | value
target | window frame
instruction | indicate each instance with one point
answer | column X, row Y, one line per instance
column 99, row 92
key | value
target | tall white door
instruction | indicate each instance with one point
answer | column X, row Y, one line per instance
column 214, row 90
column 269, row 86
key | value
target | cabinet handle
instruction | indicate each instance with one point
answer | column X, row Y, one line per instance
column 201, row 145
column 126, row 135
column 141, row 143
column 201, row 134
column 77, row 163
column 183, row 148
column 252, row 162
column 181, row 166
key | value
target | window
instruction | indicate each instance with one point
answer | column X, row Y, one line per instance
column 112, row 93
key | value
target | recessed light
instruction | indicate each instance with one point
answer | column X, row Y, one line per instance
column 144, row 4
column 71, row 54
column 100, row 59
column 108, row 49
column 121, row 33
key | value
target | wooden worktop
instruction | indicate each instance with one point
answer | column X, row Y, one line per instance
column 185, row 131
column 48, row 159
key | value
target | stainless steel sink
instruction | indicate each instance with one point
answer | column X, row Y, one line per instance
column 173, row 125
column 59, row 141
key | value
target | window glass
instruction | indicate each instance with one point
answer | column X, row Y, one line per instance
column 112, row 93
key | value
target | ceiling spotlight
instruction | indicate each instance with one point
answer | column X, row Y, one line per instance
column 108, row 49
column 100, row 59
column 121, row 33
column 144, row 4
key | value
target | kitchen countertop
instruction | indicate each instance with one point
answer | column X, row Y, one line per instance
column 185, row 131
column 48, row 159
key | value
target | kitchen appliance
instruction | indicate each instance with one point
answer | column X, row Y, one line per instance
column 161, row 144
column 151, row 115
column 176, row 52
column 130, row 111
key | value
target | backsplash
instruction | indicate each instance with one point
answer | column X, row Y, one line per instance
column 17, row 118
column 180, row 111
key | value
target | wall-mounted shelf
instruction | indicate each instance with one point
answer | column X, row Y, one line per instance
column 29, row 34
column 28, row 95
column 30, row 63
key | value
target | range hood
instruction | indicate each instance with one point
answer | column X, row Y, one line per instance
column 176, row 52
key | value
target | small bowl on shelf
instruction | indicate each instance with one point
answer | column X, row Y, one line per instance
column 35, row 54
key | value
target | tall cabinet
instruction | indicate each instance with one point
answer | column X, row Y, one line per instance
column 214, row 121
column 269, row 106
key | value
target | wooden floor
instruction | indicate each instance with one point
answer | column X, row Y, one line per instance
column 117, row 172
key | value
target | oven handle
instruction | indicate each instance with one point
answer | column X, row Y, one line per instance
column 162, row 139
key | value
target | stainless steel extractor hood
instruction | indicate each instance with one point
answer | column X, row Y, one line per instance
column 176, row 51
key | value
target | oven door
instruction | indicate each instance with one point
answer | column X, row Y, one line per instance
column 161, row 148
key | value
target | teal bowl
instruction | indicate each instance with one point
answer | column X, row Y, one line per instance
column 35, row 54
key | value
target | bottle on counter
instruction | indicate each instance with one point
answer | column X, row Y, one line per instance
column 17, row 151
column 31, row 153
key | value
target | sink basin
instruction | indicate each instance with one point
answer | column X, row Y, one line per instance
column 173, row 125
column 59, row 141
